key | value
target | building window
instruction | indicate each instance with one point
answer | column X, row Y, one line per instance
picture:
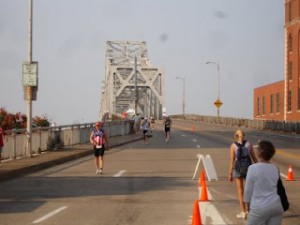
column 258, row 103
column 272, row 103
column 278, row 102
column 289, row 106
column 290, row 70
column 290, row 43
column 264, row 105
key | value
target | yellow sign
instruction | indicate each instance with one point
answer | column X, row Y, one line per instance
column 218, row 103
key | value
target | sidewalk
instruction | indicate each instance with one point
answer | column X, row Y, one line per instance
column 20, row 167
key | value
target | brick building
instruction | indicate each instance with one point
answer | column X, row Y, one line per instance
column 281, row 100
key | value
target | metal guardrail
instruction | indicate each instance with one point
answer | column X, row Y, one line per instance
column 273, row 125
column 55, row 138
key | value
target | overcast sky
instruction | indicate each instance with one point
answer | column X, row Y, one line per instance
column 69, row 42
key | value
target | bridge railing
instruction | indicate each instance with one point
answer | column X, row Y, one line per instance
column 273, row 125
column 55, row 138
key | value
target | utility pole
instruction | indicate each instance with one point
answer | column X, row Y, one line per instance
column 218, row 102
column 135, row 86
column 30, row 83
column 29, row 88
column 183, row 94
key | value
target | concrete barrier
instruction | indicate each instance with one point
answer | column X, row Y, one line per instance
column 55, row 138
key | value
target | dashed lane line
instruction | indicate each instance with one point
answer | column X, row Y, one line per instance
column 50, row 214
column 120, row 173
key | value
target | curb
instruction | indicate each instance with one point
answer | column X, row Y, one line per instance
column 30, row 168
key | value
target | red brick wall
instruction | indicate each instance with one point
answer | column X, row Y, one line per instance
column 292, row 26
column 293, row 30
column 266, row 92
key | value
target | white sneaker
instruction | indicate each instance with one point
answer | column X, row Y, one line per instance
column 97, row 171
column 242, row 215
column 100, row 171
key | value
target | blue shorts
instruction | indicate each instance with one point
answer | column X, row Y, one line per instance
column 236, row 174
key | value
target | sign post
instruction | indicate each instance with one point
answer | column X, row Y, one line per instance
column 218, row 104
column 30, row 82
column 30, row 74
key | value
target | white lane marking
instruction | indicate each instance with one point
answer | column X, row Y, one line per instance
column 190, row 220
column 210, row 213
column 54, row 212
column 283, row 175
column 198, row 146
column 194, row 140
column 120, row 173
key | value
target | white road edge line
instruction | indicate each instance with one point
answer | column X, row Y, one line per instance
column 120, row 173
column 54, row 212
column 210, row 213
column 283, row 175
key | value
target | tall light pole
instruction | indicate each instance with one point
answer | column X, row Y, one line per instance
column 183, row 94
column 30, row 83
column 29, row 88
column 135, row 86
column 218, row 102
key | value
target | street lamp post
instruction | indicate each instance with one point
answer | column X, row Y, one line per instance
column 29, row 88
column 135, row 86
column 183, row 94
column 218, row 102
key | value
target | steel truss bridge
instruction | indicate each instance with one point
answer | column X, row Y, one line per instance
column 131, row 83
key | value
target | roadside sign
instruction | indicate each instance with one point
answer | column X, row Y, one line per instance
column 30, row 74
column 218, row 103
column 208, row 166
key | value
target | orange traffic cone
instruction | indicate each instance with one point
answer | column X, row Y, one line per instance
column 290, row 176
column 203, row 195
column 196, row 214
column 201, row 178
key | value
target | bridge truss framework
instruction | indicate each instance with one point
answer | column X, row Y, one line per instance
column 131, row 82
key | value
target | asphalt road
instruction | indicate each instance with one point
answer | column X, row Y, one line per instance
column 144, row 184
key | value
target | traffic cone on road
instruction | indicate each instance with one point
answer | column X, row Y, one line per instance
column 193, row 128
column 201, row 178
column 203, row 195
column 196, row 214
column 290, row 176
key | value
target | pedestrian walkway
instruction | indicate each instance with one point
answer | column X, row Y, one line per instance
column 19, row 167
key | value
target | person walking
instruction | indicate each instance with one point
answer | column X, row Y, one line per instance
column 261, row 188
column 152, row 122
column 145, row 128
column 99, row 140
column 167, row 124
column 2, row 135
column 241, row 157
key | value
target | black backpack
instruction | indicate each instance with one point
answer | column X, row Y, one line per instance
column 243, row 159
